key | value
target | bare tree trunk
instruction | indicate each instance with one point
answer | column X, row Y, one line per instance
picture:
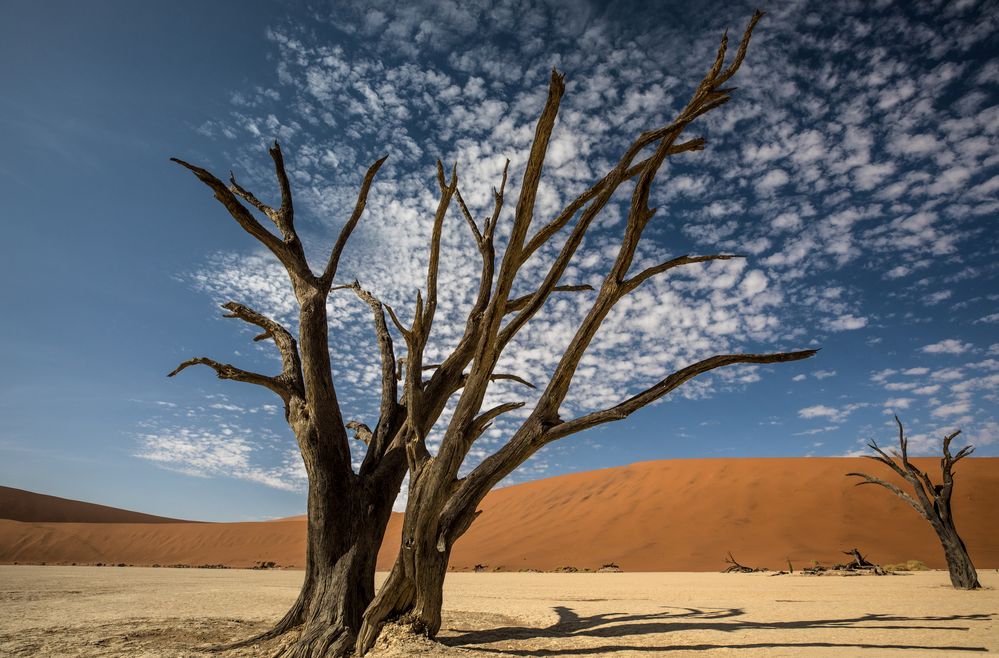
column 345, row 533
column 413, row 592
column 962, row 572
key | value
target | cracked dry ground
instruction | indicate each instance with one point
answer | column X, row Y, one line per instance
column 91, row 611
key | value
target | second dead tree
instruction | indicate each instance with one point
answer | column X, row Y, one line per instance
column 932, row 501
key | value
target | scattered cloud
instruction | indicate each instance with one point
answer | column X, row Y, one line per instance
column 229, row 451
column 828, row 174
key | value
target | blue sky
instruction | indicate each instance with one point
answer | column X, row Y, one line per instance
column 857, row 168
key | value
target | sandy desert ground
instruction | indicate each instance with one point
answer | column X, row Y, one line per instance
column 93, row 611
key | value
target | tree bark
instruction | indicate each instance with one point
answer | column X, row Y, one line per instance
column 963, row 574
column 344, row 535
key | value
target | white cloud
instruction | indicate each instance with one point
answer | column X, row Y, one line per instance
column 847, row 322
column 774, row 179
column 819, row 411
column 948, row 346
column 835, row 414
column 952, row 409
column 754, row 283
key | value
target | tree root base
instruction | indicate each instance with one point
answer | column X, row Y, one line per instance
column 401, row 636
column 319, row 643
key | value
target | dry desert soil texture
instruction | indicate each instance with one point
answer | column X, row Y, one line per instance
column 110, row 611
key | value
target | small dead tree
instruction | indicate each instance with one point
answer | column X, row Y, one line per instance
column 441, row 505
column 932, row 501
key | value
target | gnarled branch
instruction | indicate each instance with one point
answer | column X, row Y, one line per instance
column 669, row 383
column 326, row 279
column 361, row 431
column 227, row 371
column 291, row 363
column 646, row 274
column 870, row 479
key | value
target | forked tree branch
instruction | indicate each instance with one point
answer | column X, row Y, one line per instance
column 284, row 216
column 250, row 198
column 615, row 284
column 291, row 362
column 389, row 406
column 932, row 500
column 555, row 225
column 445, row 381
column 544, row 424
column 245, row 219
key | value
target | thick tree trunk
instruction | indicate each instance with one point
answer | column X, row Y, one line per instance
column 345, row 530
column 962, row 572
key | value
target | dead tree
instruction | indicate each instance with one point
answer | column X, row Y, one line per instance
column 348, row 510
column 441, row 506
column 735, row 567
column 859, row 564
column 932, row 501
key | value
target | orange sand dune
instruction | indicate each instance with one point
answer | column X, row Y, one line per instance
column 20, row 505
column 679, row 515
column 685, row 515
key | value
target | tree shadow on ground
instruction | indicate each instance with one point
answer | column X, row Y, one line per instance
column 571, row 625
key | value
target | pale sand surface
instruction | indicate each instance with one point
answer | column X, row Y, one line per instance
column 90, row 611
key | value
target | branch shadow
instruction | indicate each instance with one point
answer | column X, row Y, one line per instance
column 619, row 625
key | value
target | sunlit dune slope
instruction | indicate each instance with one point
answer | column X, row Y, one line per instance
column 678, row 515
column 687, row 514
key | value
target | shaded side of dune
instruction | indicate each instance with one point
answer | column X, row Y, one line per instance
column 678, row 515
column 21, row 505
column 149, row 544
